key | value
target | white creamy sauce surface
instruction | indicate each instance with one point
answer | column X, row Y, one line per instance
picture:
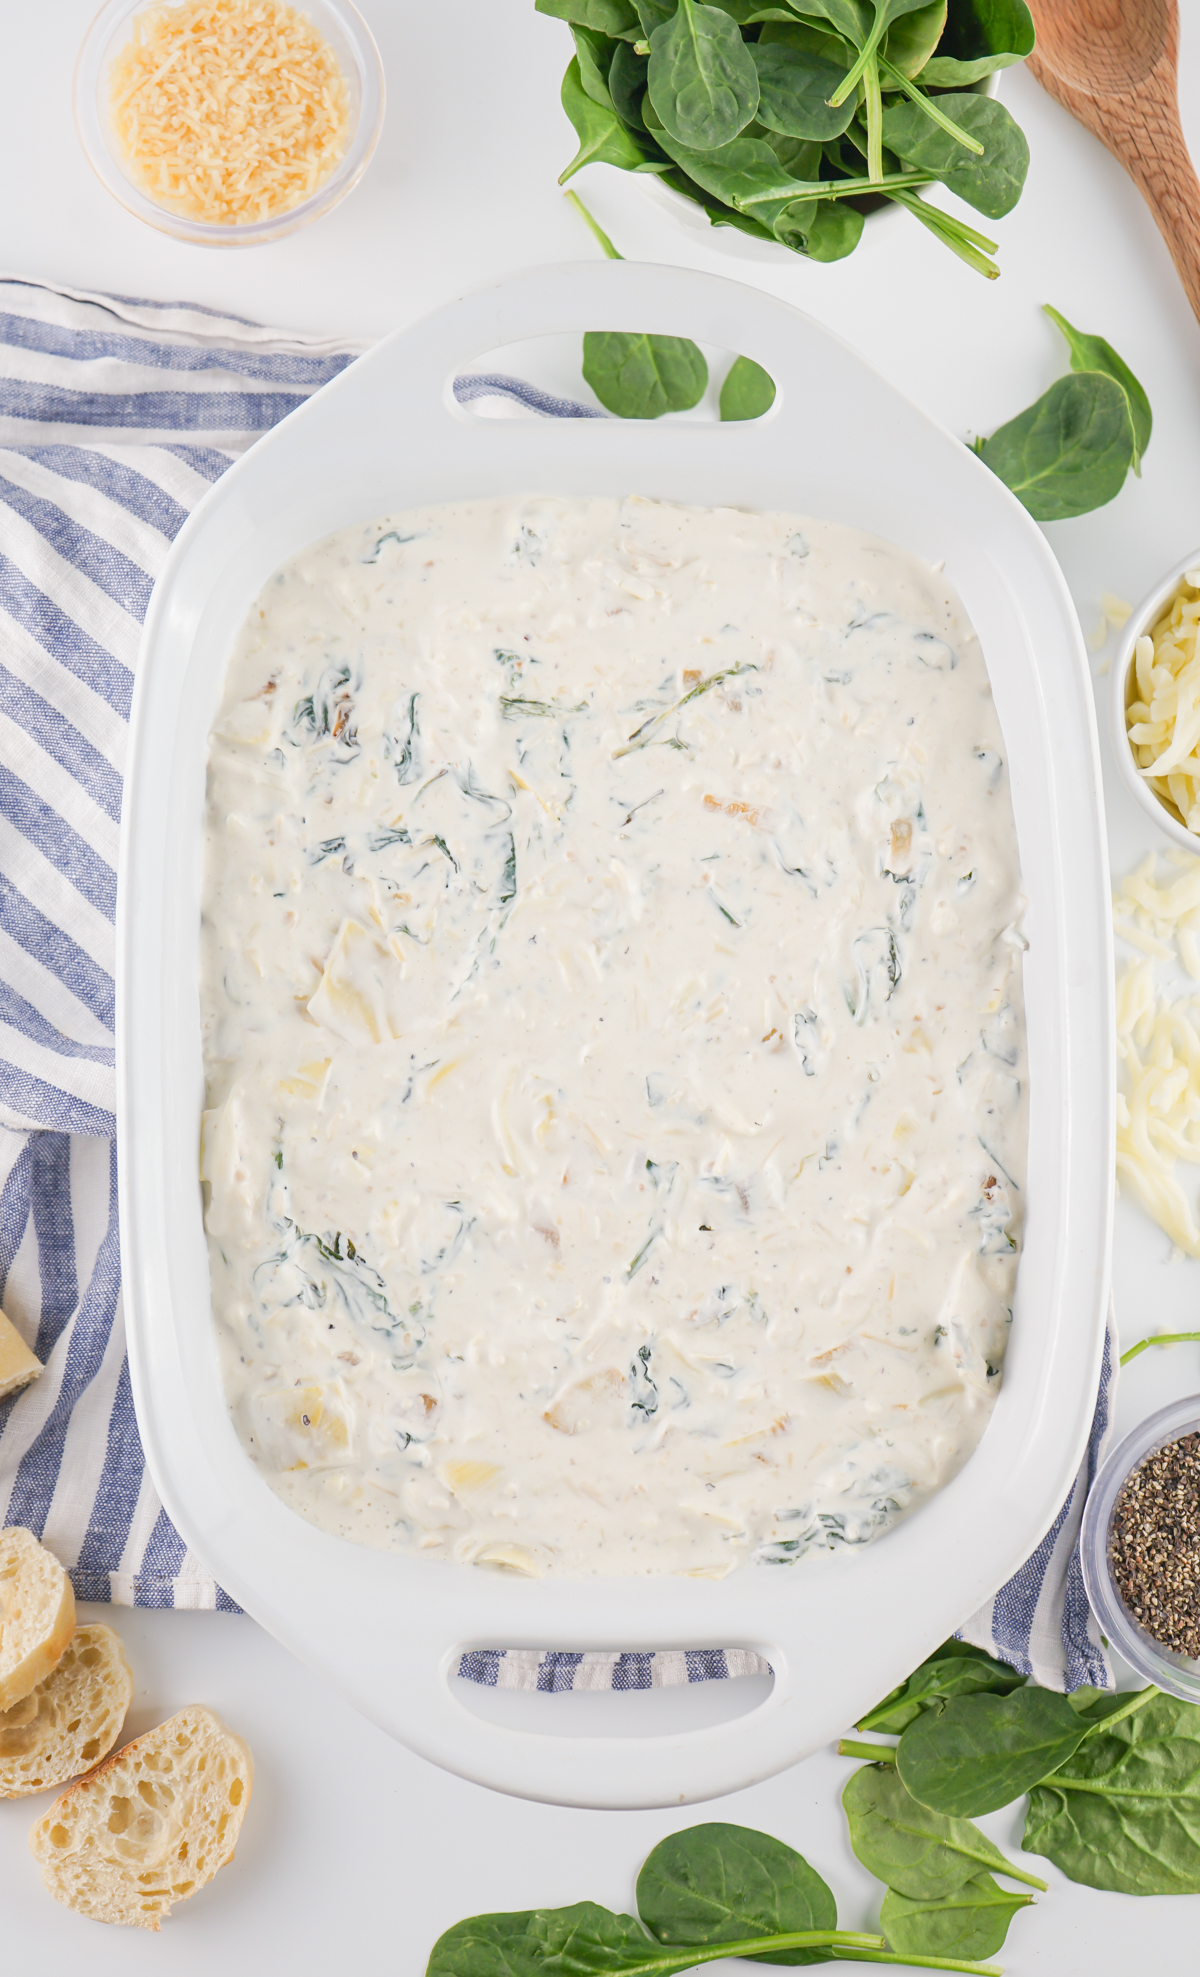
column 613, row 1035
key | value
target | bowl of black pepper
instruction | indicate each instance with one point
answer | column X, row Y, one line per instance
column 1139, row 1548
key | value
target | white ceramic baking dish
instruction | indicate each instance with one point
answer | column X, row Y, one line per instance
column 840, row 442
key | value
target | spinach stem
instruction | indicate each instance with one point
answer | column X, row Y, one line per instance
column 1158, row 1338
column 930, row 1963
column 1137, row 1701
column 844, row 1942
column 875, row 1753
column 858, row 67
column 928, row 104
column 594, row 225
column 874, row 105
column 833, row 188
column 971, row 247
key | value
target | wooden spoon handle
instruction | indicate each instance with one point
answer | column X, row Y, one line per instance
column 1156, row 158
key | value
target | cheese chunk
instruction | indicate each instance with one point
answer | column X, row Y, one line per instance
column 17, row 1364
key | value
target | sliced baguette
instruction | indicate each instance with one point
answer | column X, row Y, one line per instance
column 70, row 1720
column 150, row 1825
column 37, row 1613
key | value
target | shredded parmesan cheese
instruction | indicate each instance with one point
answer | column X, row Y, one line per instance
column 1162, row 710
column 1158, row 1048
column 228, row 111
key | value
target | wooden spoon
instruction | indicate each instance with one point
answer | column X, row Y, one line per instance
column 1112, row 64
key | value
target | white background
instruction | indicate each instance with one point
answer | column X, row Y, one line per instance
column 356, row 1854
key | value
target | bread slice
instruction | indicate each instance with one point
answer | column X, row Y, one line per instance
column 17, row 1364
column 150, row 1825
column 37, row 1613
column 70, row 1720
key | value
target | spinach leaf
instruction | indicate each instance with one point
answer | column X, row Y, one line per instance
column 702, row 79
column 1092, row 353
column 912, row 39
column 992, row 184
column 641, row 377
column 919, row 1853
column 748, row 390
column 976, row 1753
column 1069, row 452
column 799, row 156
column 972, row 1922
column 745, row 169
column 794, row 91
column 980, row 37
column 615, row 17
column 653, row 13
column 849, row 18
column 719, row 215
column 942, row 1676
column 746, row 174
column 747, row 13
column 725, row 1884
column 569, row 1942
column 1124, row 1812
column 603, row 138
column 806, row 39
column 594, row 53
column 833, row 230
column 627, row 85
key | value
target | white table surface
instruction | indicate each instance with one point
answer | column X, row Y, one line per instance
column 355, row 1853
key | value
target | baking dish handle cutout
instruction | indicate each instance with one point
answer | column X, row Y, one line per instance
column 559, row 377
column 722, row 316
column 698, row 1755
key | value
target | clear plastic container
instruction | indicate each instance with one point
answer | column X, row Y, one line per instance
column 1175, row 1673
column 353, row 44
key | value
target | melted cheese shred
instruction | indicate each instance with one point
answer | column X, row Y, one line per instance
column 1162, row 714
column 1158, row 1048
column 228, row 111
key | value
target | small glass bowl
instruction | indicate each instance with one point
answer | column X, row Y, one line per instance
column 1173, row 1672
column 1147, row 614
column 352, row 42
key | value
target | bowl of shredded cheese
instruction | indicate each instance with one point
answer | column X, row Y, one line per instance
column 1156, row 704
column 229, row 122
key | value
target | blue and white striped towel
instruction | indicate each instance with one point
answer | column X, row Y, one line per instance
column 115, row 416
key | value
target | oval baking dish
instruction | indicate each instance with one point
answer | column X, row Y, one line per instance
column 839, row 443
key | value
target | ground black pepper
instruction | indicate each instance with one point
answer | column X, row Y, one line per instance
column 1155, row 1545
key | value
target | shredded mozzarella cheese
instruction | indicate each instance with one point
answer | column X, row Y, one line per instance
column 228, row 111
column 1162, row 712
column 1158, row 1048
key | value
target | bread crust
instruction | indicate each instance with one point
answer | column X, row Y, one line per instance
column 37, row 1613
column 150, row 1825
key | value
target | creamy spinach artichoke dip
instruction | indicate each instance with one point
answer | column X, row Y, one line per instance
column 613, row 1035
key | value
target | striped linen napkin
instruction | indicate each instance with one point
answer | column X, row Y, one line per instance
column 116, row 415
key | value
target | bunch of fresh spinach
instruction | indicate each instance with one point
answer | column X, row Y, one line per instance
column 710, row 1892
column 789, row 118
column 1113, row 1783
column 1070, row 451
